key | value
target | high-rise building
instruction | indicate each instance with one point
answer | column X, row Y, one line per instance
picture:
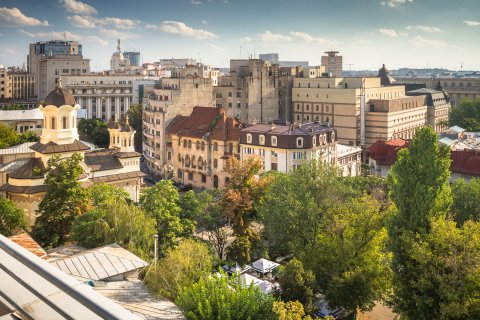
column 133, row 57
column 119, row 62
column 48, row 60
column 333, row 63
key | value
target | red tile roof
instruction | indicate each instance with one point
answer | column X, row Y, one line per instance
column 385, row 152
column 25, row 241
column 206, row 122
column 465, row 162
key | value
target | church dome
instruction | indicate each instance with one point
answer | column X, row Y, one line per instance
column 59, row 97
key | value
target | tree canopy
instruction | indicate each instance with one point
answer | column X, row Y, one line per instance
column 95, row 131
column 467, row 115
column 11, row 219
column 466, row 200
column 135, row 114
column 9, row 137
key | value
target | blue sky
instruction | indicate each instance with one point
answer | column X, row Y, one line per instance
column 368, row 33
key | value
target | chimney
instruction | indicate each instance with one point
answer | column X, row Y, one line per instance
column 272, row 126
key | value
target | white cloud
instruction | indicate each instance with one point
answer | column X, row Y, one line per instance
column 81, row 22
column 394, row 3
column 472, row 23
column 246, row 40
column 180, row 28
column 196, row 2
column 151, row 26
column 308, row 38
column 267, row 36
column 13, row 17
column 91, row 22
column 389, row 33
column 57, row 35
column 9, row 51
column 78, row 7
column 111, row 33
column 421, row 42
column 211, row 45
column 424, row 28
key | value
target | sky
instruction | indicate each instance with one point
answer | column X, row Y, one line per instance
column 367, row 33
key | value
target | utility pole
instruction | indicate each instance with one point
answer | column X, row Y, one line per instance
column 362, row 118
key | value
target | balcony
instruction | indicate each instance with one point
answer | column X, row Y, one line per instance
column 148, row 134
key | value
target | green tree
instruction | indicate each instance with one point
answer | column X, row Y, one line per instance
column 112, row 219
column 350, row 258
column 95, row 131
column 11, row 219
column 291, row 310
column 238, row 199
column 162, row 203
column 220, row 297
column 466, row 200
column 297, row 284
column 419, row 184
column 135, row 115
column 182, row 267
column 467, row 115
column 100, row 136
column 64, row 200
column 447, row 262
column 294, row 204
column 8, row 136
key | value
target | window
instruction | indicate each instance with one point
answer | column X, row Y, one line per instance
column 179, row 173
column 299, row 142
column 204, row 178
column 53, row 122
column 314, row 141
column 261, row 139
column 64, row 123
column 215, row 163
column 274, row 166
column 197, row 145
column 215, row 146
column 189, row 144
column 249, row 138
column 184, row 143
column 274, row 154
column 274, row 141
column 190, row 176
column 239, row 94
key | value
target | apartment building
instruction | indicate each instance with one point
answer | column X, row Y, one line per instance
column 252, row 92
column 16, row 84
column 170, row 97
column 389, row 110
column 199, row 146
column 51, row 59
column 103, row 96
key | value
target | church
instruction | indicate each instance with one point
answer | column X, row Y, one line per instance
column 119, row 165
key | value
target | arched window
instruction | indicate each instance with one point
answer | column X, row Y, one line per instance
column 194, row 164
column 203, row 145
column 189, row 144
column 249, row 138
column 274, row 141
column 314, row 141
column 197, row 145
column 64, row 122
column 261, row 139
column 187, row 161
column 53, row 122
column 184, row 143
column 200, row 163
column 299, row 142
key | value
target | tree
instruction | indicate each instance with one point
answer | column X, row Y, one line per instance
column 100, row 136
column 467, row 115
column 297, row 284
column 135, row 115
column 11, row 219
column 182, row 267
column 294, row 204
column 419, row 184
column 350, row 259
column 220, row 297
column 466, row 200
column 162, row 203
column 238, row 200
column 8, row 136
column 291, row 310
column 447, row 262
column 112, row 219
column 64, row 200
column 95, row 130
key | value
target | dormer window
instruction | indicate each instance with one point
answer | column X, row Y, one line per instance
column 249, row 138
column 274, row 141
column 314, row 141
column 299, row 142
column 261, row 139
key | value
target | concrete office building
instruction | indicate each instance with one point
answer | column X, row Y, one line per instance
column 333, row 63
column 171, row 97
column 16, row 84
column 134, row 58
column 51, row 59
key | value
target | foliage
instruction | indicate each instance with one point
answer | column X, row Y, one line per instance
column 182, row 267
column 291, row 310
column 419, row 184
column 64, row 200
column 372, row 185
column 466, row 200
column 238, row 200
column 162, row 203
column 220, row 297
column 467, row 115
column 11, row 219
column 297, row 284
column 13, row 107
column 135, row 119
column 113, row 220
column 9, row 137
column 95, row 130
column 350, row 259
column 294, row 204
column 447, row 261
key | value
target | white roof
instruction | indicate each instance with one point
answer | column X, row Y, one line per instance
column 264, row 265
column 15, row 115
column 236, row 268
column 343, row 150
column 21, row 148
column 99, row 263
column 264, row 286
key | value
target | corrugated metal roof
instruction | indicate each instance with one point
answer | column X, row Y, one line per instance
column 21, row 148
column 99, row 263
column 15, row 115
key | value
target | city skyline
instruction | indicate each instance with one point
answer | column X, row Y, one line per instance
column 397, row 33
